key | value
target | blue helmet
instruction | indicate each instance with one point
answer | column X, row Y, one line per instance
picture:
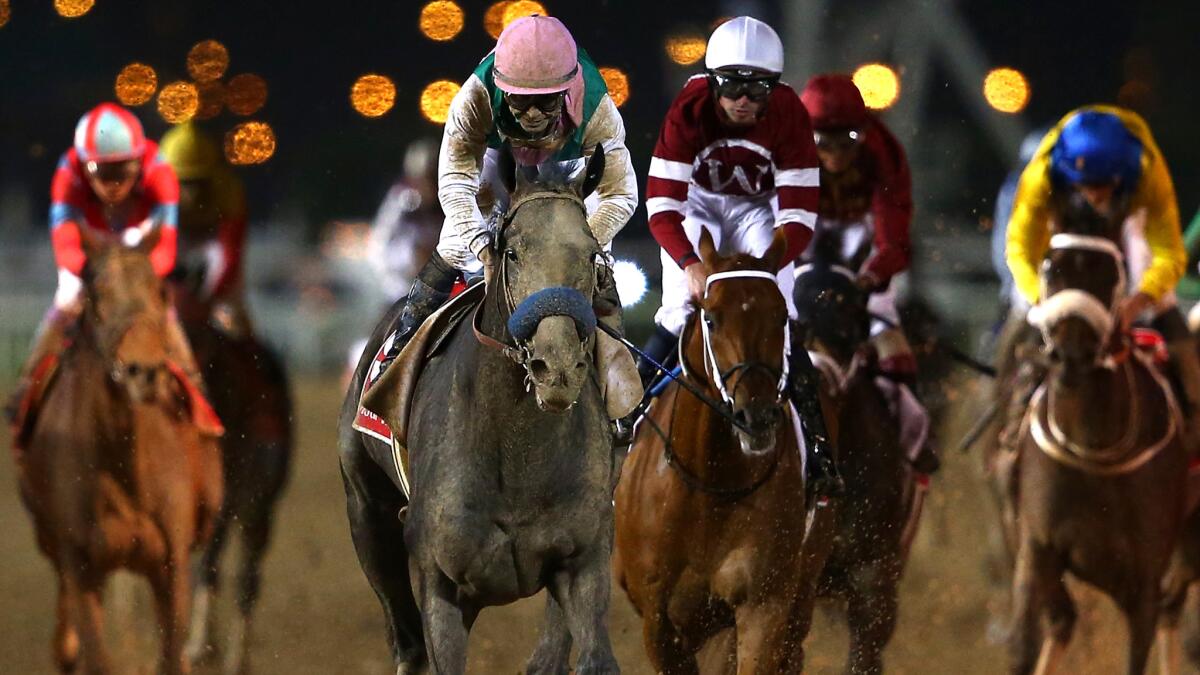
column 1095, row 147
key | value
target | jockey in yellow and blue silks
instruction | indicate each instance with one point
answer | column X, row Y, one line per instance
column 1102, row 161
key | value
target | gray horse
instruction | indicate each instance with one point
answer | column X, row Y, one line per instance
column 512, row 465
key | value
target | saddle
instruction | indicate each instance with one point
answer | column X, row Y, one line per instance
column 384, row 405
column 28, row 407
column 44, row 374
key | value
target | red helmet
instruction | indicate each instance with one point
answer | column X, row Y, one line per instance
column 109, row 133
column 834, row 102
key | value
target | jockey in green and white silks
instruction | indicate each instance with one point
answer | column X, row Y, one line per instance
column 543, row 96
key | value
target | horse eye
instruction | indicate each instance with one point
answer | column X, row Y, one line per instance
column 510, row 254
column 134, row 369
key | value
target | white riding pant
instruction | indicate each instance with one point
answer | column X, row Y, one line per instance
column 737, row 225
column 453, row 247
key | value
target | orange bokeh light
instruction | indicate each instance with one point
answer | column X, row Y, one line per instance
column 207, row 61
column 250, row 143
column 136, row 84
column 178, row 102
column 618, row 84
column 245, row 94
column 373, row 95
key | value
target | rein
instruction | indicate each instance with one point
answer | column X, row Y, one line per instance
column 1115, row 459
column 718, row 378
column 696, row 482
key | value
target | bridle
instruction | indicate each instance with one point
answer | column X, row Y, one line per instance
column 519, row 351
column 1082, row 242
column 712, row 366
column 720, row 378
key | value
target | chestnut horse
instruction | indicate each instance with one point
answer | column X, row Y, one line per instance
column 115, row 473
column 712, row 526
column 1099, row 482
column 249, row 391
column 878, row 515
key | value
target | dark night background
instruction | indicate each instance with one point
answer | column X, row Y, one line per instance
column 331, row 162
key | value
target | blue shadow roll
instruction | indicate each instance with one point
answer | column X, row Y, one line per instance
column 556, row 301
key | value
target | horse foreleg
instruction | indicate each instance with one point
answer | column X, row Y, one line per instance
column 553, row 653
column 256, row 536
column 665, row 647
column 172, row 600
column 763, row 635
column 871, row 615
column 91, row 627
column 66, row 638
column 446, row 622
column 1026, row 634
column 1141, row 608
column 584, row 597
column 1060, row 611
column 373, row 506
column 201, row 644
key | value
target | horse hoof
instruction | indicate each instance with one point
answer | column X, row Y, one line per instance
column 606, row 665
column 533, row 668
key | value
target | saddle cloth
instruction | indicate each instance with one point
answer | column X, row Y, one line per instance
column 43, row 376
column 384, row 413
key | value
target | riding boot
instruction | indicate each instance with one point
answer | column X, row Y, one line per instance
column 615, row 366
column 49, row 339
column 661, row 347
column 898, row 364
column 429, row 292
column 1184, row 366
column 822, row 476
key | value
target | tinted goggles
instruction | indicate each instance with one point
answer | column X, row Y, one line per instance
column 114, row 172
column 549, row 104
column 734, row 88
column 839, row 140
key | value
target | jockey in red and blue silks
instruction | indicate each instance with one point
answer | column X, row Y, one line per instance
column 110, row 180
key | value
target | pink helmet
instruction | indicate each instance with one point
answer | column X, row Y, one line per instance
column 536, row 55
column 109, row 133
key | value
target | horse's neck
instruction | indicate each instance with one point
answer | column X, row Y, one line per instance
column 1095, row 410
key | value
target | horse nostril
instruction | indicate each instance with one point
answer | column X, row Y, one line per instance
column 581, row 365
column 539, row 369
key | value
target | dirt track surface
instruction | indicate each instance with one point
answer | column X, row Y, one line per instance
column 318, row 615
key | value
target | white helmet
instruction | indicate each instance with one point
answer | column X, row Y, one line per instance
column 746, row 42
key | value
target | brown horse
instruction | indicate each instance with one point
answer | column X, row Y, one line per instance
column 249, row 390
column 1098, row 485
column 115, row 473
column 712, row 527
column 878, row 514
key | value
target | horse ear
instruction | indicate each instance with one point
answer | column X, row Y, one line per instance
column 594, row 172
column 775, row 252
column 708, row 249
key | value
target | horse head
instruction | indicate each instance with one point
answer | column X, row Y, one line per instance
column 545, row 264
column 744, row 337
column 831, row 310
column 1083, row 282
column 126, row 310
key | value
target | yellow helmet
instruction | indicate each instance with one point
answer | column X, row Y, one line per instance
column 191, row 152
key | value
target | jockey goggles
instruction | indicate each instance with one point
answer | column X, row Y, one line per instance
column 549, row 104
column 114, row 172
column 734, row 87
column 838, row 140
